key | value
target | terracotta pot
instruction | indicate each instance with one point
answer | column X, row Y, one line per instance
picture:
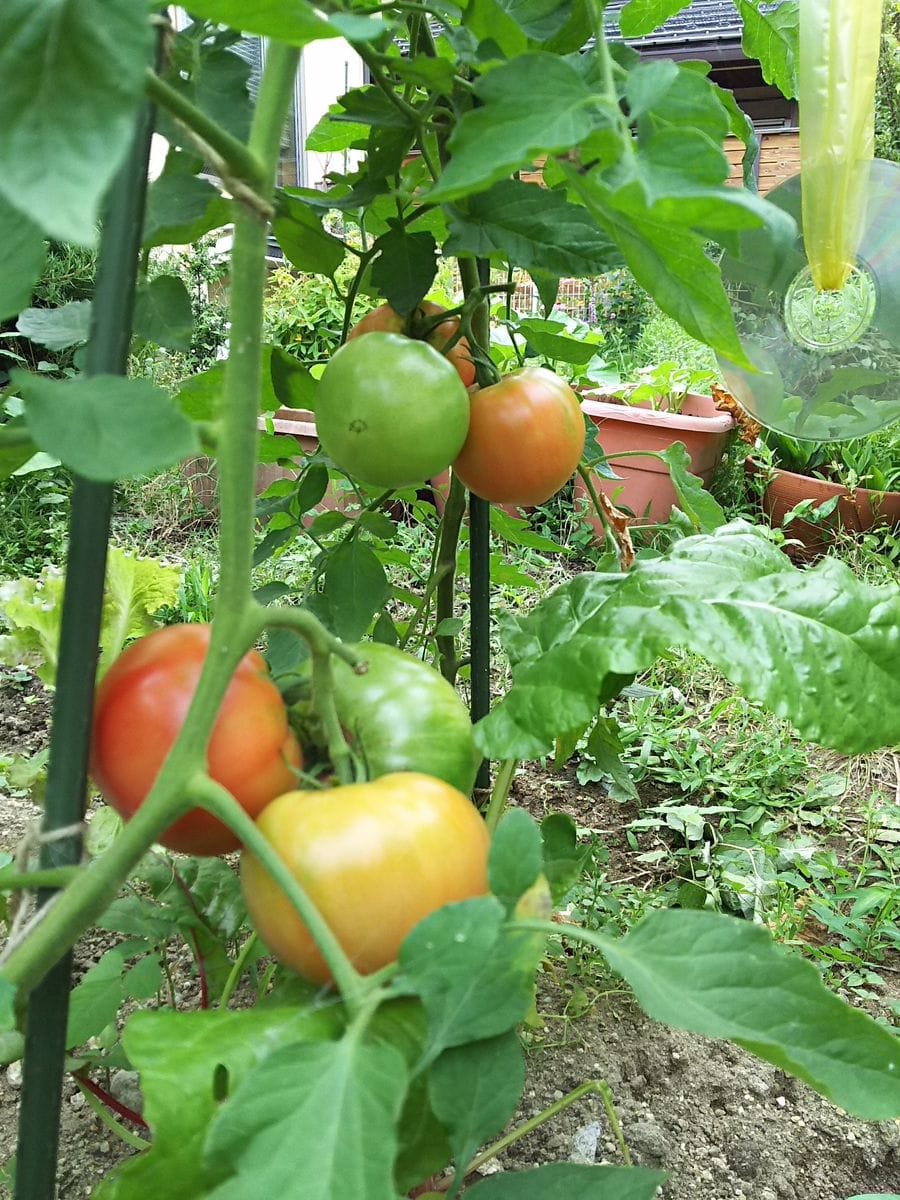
column 645, row 487
column 855, row 512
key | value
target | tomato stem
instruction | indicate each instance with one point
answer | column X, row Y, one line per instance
column 445, row 573
column 239, row 160
column 208, row 794
column 237, row 970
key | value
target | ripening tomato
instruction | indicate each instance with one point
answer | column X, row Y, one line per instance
column 140, row 707
column 391, row 411
column 402, row 715
column 526, row 438
column 385, row 319
column 375, row 859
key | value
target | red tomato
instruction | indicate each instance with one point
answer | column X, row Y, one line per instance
column 525, row 440
column 385, row 319
column 374, row 858
column 140, row 707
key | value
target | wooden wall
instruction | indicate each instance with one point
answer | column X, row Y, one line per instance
column 779, row 159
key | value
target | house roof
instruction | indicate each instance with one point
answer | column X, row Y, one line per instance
column 704, row 22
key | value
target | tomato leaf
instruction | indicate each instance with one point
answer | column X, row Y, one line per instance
column 773, row 37
column 316, row 1121
column 22, row 252
column 691, row 970
column 106, row 427
column 705, row 513
column 292, row 384
column 563, row 858
column 474, row 974
column 423, row 1148
column 516, row 858
column 537, row 104
column 732, row 597
column 163, row 314
column 356, row 587
column 640, row 17
column 570, row 1181
column 73, row 77
column 475, row 1089
column 183, row 1054
column 16, row 447
column 94, row 1003
column 405, row 268
column 181, row 207
column 57, row 328
column 533, row 227
column 303, row 238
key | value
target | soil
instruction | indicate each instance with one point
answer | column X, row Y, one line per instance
column 725, row 1126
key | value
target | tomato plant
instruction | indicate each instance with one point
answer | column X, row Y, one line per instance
column 375, row 858
column 401, row 715
column 385, row 319
column 140, row 708
column 391, row 411
column 526, row 437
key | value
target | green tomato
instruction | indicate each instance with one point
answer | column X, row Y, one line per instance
column 391, row 411
column 403, row 716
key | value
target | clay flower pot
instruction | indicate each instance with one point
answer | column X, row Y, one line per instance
column 855, row 511
column 645, row 487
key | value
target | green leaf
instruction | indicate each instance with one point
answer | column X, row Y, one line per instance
column 57, row 328
column 537, row 104
column 640, row 17
column 16, row 447
column 220, row 88
column 516, row 857
column 73, row 77
column 106, row 427
column 605, row 747
column 22, row 253
column 94, row 1003
column 563, row 858
column 200, row 396
column 473, row 973
column 182, row 207
column 423, row 1148
column 356, row 587
column 475, row 1089
column 303, row 239
column 316, row 1121
column 163, row 313
column 733, row 598
column 547, row 338
column 296, row 22
column 692, row 970
column 136, row 590
column 773, row 37
column 332, row 134
column 648, row 84
column 405, row 268
column 570, row 1181
column 312, row 488
column 676, row 272
column 184, row 1054
column 705, row 513
column 292, row 384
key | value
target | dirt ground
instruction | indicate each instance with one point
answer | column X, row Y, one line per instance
column 725, row 1126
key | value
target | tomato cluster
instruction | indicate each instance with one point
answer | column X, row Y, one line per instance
column 375, row 857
